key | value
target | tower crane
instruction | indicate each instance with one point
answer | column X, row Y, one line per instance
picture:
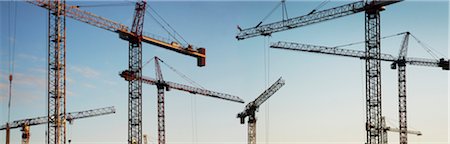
column 162, row 85
column 135, row 65
column 253, row 106
column 372, row 9
column 56, row 73
column 124, row 31
column 400, row 61
column 25, row 124
column 397, row 130
column 58, row 10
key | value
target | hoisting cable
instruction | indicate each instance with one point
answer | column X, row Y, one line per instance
column 162, row 26
column 168, row 24
column 319, row 6
column 267, row 84
column 12, row 47
column 428, row 48
column 147, row 62
column 361, row 42
column 268, row 15
column 389, row 121
column 193, row 101
column 182, row 75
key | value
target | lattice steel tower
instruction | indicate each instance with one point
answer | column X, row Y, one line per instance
column 56, row 73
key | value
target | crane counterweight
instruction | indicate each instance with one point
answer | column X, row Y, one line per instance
column 444, row 64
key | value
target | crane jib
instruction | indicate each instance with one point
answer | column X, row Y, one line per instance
column 70, row 116
column 316, row 17
column 124, row 32
column 442, row 63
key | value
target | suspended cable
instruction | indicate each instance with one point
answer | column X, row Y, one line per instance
column 193, row 101
column 361, row 42
column 167, row 24
column 9, row 60
column 389, row 121
column 12, row 47
column 268, row 15
column 268, row 61
column 323, row 3
column 147, row 62
column 162, row 26
column 428, row 48
column 182, row 75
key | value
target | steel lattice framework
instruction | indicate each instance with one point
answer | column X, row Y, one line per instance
column 26, row 123
column 373, row 76
column 135, row 86
column 70, row 117
column 160, row 84
column 387, row 128
column 56, row 73
column 400, row 61
column 125, row 32
column 316, row 17
column 163, row 85
column 253, row 106
column 372, row 36
column 136, row 36
column 358, row 54
column 402, row 90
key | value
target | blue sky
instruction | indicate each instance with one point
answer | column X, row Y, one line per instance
column 322, row 101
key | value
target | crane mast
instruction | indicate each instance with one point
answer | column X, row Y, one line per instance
column 372, row 10
column 135, row 86
column 58, row 10
column 56, row 126
column 387, row 128
column 373, row 75
column 253, row 106
column 161, row 111
column 162, row 85
column 7, row 133
column 125, row 32
column 400, row 61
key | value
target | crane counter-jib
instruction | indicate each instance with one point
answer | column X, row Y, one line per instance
column 199, row 53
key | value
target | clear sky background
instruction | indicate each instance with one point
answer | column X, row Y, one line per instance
column 322, row 101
